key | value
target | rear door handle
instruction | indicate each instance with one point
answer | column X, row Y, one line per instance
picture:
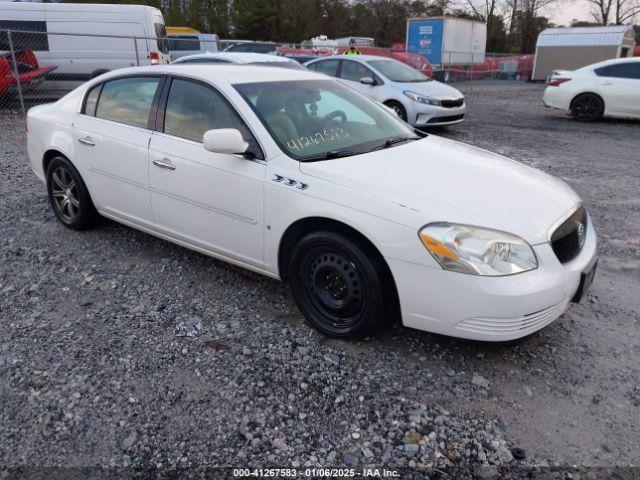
column 165, row 164
column 87, row 141
column 607, row 83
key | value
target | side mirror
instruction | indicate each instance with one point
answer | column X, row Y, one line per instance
column 367, row 81
column 224, row 140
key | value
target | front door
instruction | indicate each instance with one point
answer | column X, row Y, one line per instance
column 206, row 199
column 352, row 72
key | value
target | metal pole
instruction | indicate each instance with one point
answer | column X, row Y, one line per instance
column 16, row 74
column 135, row 45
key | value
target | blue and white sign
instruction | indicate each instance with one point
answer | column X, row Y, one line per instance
column 424, row 37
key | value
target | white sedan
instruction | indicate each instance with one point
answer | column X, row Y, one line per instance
column 295, row 176
column 416, row 98
column 609, row 89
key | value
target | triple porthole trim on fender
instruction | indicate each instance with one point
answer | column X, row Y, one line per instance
column 289, row 182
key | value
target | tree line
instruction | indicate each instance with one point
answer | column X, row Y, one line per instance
column 512, row 25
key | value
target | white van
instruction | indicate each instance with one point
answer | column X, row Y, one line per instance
column 57, row 39
column 184, row 44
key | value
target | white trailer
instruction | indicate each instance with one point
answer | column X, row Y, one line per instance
column 447, row 42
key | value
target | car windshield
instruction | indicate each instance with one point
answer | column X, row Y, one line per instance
column 398, row 71
column 322, row 119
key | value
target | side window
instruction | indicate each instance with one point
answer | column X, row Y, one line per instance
column 92, row 100
column 620, row 70
column 354, row 71
column 128, row 100
column 193, row 108
column 22, row 37
column 161, row 37
column 328, row 67
column 183, row 43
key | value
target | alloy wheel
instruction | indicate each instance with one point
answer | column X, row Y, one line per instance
column 586, row 107
column 65, row 194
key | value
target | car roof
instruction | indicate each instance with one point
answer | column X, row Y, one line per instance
column 237, row 57
column 362, row 58
column 612, row 61
column 233, row 74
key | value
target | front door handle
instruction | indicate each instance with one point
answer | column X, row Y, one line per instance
column 87, row 141
column 165, row 164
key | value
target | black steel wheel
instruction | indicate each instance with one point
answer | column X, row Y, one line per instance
column 587, row 107
column 68, row 195
column 398, row 108
column 340, row 288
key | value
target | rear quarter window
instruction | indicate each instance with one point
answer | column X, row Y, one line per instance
column 91, row 100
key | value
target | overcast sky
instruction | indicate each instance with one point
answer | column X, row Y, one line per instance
column 564, row 11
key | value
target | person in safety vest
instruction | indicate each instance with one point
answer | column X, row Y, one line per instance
column 352, row 48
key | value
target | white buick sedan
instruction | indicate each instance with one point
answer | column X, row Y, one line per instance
column 295, row 176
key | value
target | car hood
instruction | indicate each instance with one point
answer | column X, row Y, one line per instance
column 446, row 181
column 432, row 89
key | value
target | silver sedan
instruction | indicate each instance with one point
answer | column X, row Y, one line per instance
column 416, row 98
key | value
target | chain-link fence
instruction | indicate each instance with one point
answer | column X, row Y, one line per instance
column 38, row 66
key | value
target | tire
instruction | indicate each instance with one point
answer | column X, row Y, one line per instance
column 341, row 288
column 69, row 196
column 587, row 107
column 398, row 108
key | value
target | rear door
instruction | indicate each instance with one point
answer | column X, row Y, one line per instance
column 112, row 137
column 620, row 88
column 328, row 67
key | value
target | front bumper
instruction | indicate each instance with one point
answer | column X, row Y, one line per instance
column 490, row 308
column 432, row 116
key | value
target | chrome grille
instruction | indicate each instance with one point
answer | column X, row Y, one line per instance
column 452, row 103
column 568, row 239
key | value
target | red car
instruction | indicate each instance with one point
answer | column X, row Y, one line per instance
column 30, row 73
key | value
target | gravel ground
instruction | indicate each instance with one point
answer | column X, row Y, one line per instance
column 121, row 350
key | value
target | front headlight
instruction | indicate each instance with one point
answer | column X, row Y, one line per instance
column 478, row 251
column 416, row 97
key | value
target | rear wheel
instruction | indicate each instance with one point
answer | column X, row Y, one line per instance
column 398, row 108
column 587, row 107
column 340, row 289
column 69, row 196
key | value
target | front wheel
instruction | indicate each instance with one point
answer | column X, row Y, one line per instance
column 398, row 108
column 340, row 289
column 69, row 196
column 587, row 107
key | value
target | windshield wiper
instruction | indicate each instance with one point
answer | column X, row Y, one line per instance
column 393, row 141
column 332, row 154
